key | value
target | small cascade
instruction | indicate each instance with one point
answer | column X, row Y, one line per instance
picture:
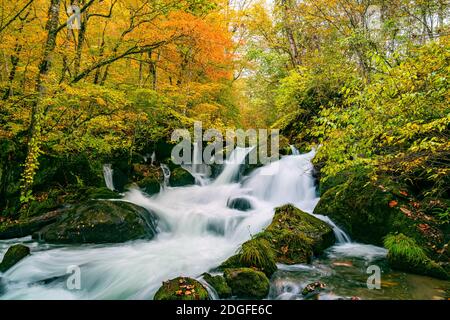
column 232, row 165
column 153, row 158
column 294, row 150
column 166, row 172
column 108, row 176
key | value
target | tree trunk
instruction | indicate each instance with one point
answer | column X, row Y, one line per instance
column 31, row 163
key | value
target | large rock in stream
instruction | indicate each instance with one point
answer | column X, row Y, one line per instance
column 22, row 228
column 247, row 283
column 182, row 288
column 384, row 212
column 100, row 221
column 293, row 237
column 13, row 255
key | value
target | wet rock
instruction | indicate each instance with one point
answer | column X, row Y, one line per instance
column 296, row 235
column 14, row 254
column 182, row 288
column 219, row 284
column 293, row 237
column 241, row 204
column 150, row 185
column 180, row 177
column 247, row 283
column 22, row 228
column 100, row 221
column 313, row 288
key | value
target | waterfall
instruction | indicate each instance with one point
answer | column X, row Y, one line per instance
column 199, row 170
column 197, row 231
column 166, row 172
column 108, row 176
column 232, row 165
column 294, row 150
column 153, row 158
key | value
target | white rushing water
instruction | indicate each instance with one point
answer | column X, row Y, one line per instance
column 108, row 176
column 166, row 172
column 197, row 231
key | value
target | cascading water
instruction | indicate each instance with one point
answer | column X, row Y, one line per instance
column 232, row 166
column 166, row 172
column 294, row 150
column 199, row 170
column 108, row 176
column 197, row 231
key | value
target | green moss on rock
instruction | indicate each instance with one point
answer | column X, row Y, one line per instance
column 219, row 284
column 247, row 283
column 361, row 208
column 180, row 177
column 404, row 254
column 14, row 254
column 100, row 221
column 150, row 185
column 296, row 235
column 182, row 288
column 293, row 237
column 25, row 227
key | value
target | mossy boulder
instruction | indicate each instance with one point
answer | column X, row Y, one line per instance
column 180, row 177
column 404, row 254
column 360, row 207
column 150, row 185
column 181, row 288
column 369, row 209
column 256, row 253
column 293, row 237
column 297, row 236
column 25, row 227
column 100, row 221
column 219, row 284
column 14, row 254
column 247, row 283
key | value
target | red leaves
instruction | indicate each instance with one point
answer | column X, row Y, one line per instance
column 393, row 203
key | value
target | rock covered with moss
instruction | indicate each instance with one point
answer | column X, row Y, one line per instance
column 256, row 253
column 370, row 209
column 404, row 254
column 100, row 221
column 13, row 255
column 296, row 235
column 25, row 227
column 180, row 177
column 219, row 284
column 247, row 283
column 182, row 288
column 359, row 207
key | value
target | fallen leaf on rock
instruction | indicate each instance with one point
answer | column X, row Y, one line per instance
column 392, row 203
